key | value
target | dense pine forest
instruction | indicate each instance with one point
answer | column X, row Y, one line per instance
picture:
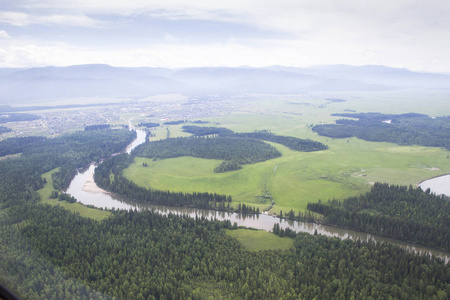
column 400, row 212
column 143, row 255
column 405, row 129
column 293, row 143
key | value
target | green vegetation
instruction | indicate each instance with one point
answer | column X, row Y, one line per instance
column 399, row 212
column 405, row 129
column 257, row 240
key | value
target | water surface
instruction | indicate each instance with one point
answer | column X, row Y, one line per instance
column 439, row 185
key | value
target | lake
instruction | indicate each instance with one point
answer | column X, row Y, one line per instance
column 439, row 185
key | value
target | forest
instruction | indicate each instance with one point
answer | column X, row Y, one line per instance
column 404, row 129
column 4, row 129
column 293, row 143
column 178, row 122
column 15, row 117
column 244, row 151
column 400, row 212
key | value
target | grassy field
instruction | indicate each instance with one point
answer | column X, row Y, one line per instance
column 257, row 240
column 84, row 211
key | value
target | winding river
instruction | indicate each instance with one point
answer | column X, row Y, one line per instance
column 84, row 189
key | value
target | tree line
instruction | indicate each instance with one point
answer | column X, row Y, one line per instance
column 16, row 117
column 400, row 212
column 406, row 129
column 293, row 143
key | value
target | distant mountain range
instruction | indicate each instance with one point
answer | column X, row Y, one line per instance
column 47, row 83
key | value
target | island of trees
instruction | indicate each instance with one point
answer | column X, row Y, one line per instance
column 244, row 151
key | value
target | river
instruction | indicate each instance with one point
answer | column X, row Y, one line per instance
column 84, row 189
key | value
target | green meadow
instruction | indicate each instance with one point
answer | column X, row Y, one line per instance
column 257, row 240
column 83, row 210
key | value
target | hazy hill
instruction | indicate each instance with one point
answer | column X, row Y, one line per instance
column 34, row 84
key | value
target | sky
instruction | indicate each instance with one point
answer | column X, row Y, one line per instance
column 178, row 34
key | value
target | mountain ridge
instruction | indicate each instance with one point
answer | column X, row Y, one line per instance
column 108, row 81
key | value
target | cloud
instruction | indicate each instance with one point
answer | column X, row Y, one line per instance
column 403, row 33
column 4, row 35
column 25, row 19
column 14, row 18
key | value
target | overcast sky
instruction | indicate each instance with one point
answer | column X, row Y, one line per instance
column 174, row 33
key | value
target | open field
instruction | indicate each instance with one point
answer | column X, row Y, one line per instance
column 257, row 240
column 84, row 211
